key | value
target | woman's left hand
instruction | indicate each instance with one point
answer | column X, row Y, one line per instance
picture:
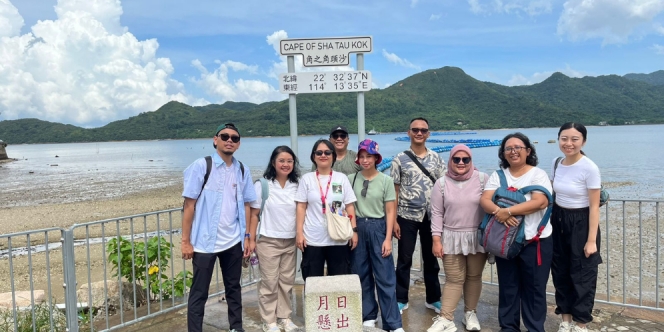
column 590, row 248
column 353, row 241
column 387, row 247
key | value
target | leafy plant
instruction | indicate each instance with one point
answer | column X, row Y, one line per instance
column 145, row 263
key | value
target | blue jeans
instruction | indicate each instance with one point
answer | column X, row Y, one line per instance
column 375, row 271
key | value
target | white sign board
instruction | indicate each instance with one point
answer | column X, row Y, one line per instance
column 322, row 82
column 326, row 51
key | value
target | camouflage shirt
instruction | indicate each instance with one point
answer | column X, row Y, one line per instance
column 415, row 187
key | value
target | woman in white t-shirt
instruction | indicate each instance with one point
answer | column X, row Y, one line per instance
column 275, row 246
column 316, row 192
column 576, row 236
column 522, row 279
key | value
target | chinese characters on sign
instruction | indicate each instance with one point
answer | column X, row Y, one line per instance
column 326, row 51
column 325, row 322
column 321, row 82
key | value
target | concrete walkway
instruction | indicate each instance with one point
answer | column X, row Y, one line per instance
column 416, row 319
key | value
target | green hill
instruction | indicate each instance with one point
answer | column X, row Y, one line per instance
column 654, row 78
column 449, row 98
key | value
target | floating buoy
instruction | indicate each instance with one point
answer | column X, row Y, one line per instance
column 535, row 142
column 57, row 156
column 551, row 141
column 54, row 164
column 31, row 172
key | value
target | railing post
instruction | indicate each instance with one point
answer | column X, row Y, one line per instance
column 69, row 276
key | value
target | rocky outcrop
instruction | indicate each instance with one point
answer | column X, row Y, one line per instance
column 23, row 298
column 3, row 152
column 112, row 294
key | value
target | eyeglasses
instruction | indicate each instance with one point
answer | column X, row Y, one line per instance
column 225, row 137
column 516, row 149
column 365, row 186
column 419, row 130
column 339, row 136
column 321, row 152
column 456, row 160
column 286, row 161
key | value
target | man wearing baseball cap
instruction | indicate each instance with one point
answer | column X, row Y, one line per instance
column 214, row 225
column 345, row 162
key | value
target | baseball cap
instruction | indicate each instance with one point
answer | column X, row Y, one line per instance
column 228, row 125
column 371, row 147
column 339, row 128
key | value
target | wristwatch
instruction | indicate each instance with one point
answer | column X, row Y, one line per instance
column 355, row 229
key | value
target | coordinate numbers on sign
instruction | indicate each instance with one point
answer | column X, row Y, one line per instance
column 310, row 82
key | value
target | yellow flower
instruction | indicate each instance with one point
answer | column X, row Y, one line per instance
column 153, row 270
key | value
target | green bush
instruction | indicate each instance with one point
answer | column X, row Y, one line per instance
column 147, row 265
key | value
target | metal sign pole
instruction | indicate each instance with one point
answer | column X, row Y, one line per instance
column 292, row 108
column 360, row 103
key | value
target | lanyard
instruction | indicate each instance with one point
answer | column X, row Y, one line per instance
column 324, row 197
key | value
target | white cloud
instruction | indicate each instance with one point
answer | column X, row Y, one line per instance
column 218, row 84
column 613, row 21
column 530, row 7
column 10, row 20
column 538, row 77
column 659, row 28
column 83, row 68
column 434, row 17
column 659, row 49
column 395, row 59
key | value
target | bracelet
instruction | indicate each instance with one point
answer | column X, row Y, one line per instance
column 508, row 212
column 248, row 235
column 497, row 209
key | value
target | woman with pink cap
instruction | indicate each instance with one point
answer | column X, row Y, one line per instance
column 455, row 215
column 372, row 260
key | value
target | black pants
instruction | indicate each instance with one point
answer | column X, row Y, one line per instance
column 231, row 271
column 522, row 288
column 574, row 274
column 314, row 259
column 409, row 229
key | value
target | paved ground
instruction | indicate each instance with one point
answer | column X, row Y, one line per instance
column 417, row 318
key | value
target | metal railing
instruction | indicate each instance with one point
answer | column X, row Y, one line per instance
column 78, row 272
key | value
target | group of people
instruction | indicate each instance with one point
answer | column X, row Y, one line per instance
column 442, row 203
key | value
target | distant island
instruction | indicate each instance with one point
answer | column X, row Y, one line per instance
column 448, row 97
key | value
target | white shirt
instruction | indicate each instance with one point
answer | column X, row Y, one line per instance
column 278, row 217
column 228, row 231
column 571, row 183
column 535, row 176
column 315, row 224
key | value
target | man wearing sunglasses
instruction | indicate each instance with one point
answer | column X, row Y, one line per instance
column 345, row 162
column 414, row 172
column 214, row 225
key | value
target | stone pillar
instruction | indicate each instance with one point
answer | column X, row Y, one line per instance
column 3, row 152
column 333, row 303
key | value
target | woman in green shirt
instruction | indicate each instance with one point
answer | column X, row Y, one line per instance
column 372, row 258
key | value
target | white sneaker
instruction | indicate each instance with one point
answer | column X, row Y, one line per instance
column 272, row 327
column 565, row 327
column 578, row 328
column 370, row 322
column 442, row 324
column 399, row 330
column 287, row 325
column 471, row 322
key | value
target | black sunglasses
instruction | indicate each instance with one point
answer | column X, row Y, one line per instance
column 225, row 137
column 365, row 186
column 419, row 130
column 321, row 152
column 339, row 135
column 457, row 160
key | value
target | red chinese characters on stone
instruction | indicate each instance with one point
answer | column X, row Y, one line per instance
column 323, row 322
column 322, row 302
column 342, row 322
column 341, row 302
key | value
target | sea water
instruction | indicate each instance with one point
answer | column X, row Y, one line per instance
column 629, row 158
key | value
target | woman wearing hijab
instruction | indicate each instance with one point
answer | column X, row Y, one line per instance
column 455, row 215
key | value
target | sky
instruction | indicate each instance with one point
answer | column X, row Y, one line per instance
column 90, row 62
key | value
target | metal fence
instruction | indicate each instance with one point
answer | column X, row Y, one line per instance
column 82, row 291
column 77, row 269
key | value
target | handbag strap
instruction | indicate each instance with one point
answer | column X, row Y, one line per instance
column 265, row 193
column 419, row 165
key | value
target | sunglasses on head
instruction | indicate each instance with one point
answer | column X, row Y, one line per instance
column 339, row 135
column 365, row 186
column 225, row 137
column 419, row 130
column 321, row 152
column 457, row 160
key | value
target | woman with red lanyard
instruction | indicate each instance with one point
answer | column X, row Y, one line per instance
column 316, row 192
